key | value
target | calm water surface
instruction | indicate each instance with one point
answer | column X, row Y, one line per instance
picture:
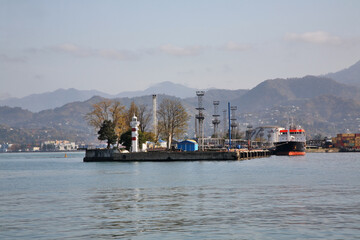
column 47, row 196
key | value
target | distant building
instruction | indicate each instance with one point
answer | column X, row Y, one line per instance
column 58, row 145
column 188, row 145
column 162, row 143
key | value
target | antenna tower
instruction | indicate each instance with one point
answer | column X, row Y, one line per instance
column 233, row 119
column 216, row 120
column 200, row 117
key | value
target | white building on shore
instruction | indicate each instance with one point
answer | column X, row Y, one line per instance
column 58, row 145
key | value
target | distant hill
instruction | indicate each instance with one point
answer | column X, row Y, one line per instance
column 333, row 108
column 49, row 100
column 290, row 91
column 72, row 114
column 65, row 122
column 60, row 97
column 168, row 88
column 13, row 116
column 320, row 104
column 328, row 115
column 349, row 75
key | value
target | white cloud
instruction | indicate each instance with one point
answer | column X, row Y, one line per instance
column 181, row 51
column 318, row 37
column 233, row 46
column 68, row 47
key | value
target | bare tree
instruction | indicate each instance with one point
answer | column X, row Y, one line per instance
column 144, row 117
column 133, row 110
column 141, row 112
column 172, row 119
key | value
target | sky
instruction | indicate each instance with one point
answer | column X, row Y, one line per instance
column 115, row 46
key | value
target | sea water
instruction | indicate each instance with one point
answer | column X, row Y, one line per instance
column 50, row 196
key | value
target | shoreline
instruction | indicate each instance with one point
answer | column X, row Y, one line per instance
column 322, row 150
column 71, row 151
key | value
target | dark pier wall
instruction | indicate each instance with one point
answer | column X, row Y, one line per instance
column 99, row 155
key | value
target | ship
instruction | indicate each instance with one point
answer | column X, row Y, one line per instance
column 292, row 142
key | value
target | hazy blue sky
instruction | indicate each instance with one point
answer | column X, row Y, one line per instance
column 116, row 46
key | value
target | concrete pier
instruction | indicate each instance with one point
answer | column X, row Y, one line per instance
column 110, row 155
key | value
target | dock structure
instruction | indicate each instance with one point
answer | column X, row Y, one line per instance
column 111, row 155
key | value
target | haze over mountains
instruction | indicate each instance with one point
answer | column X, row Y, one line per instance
column 319, row 103
column 50, row 100
column 282, row 87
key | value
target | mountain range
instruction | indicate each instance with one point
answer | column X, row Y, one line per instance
column 319, row 103
column 291, row 91
column 60, row 97
column 169, row 88
column 49, row 100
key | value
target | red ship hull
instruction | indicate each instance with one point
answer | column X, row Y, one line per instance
column 291, row 153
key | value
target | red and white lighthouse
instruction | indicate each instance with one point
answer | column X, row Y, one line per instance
column 134, row 134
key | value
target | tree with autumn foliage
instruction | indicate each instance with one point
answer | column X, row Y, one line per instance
column 172, row 119
column 108, row 110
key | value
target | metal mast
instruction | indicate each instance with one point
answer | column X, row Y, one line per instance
column 216, row 120
column 233, row 120
column 200, row 117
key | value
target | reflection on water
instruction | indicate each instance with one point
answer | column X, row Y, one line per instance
column 313, row 197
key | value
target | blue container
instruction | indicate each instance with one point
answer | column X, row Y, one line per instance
column 188, row 145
